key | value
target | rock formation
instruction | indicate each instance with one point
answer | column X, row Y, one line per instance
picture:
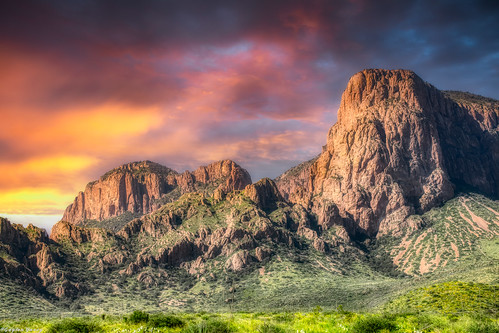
column 142, row 187
column 400, row 147
column 264, row 194
column 26, row 256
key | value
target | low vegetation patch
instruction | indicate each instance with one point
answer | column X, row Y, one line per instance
column 450, row 298
column 374, row 324
column 263, row 322
column 209, row 326
column 165, row 320
column 77, row 325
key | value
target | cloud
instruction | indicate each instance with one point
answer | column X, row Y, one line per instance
column 37, row 201
column 95, row 84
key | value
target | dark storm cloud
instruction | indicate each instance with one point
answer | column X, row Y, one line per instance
column 94, row 37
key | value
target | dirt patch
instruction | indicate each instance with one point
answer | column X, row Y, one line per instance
column 436, row 260
column 418, row 240
column 405, row 244
column 456, row 250
column 477, row 219
column 469, row 221
column 424, row 266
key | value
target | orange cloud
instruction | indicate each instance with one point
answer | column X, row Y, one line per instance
column 37, row 201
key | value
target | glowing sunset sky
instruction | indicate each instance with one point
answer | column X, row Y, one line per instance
column 88, row 85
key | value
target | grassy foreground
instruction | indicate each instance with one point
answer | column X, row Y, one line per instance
column 317, row 321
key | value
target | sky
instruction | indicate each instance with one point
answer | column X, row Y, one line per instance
column 88, row 85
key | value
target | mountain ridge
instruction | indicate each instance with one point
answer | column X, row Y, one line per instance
column 394, row 151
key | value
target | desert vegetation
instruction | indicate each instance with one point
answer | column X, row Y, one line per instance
column 318, row 320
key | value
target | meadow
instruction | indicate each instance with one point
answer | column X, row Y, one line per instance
column 299, row 322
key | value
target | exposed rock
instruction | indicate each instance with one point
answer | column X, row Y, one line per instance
column 31, row 261
column 114, row 258
column 147, row 279
column 68, row 289
column 399, row 147
column 294, row 183
column 320, row 245
column 262, row 253
column 141, row 187
column 63, row 230
column 238, row 261
column 264, row 193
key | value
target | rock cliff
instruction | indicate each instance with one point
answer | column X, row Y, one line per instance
column 400, row 147
column 26, row 255
column 142, row 187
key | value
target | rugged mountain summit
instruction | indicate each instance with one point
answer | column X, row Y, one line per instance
column 400, row 147
column 142, row 187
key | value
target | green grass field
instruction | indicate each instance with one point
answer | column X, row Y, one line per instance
column 309, row 322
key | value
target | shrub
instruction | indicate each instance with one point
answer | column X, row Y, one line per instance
column 74, row 326
column 269, row 328
column 373, row 324
column 284, row 317
column 483, row 327
column 209, row 326
column 161, row 320
column 137, row 317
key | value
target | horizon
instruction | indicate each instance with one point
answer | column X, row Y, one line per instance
column 88, row 86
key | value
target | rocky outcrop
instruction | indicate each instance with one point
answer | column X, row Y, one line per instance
column 238, row 261
column 400, row 147
column 264, row 194
column 63, row 230
column 294, row 183
column 30, row 258
column 142, row 187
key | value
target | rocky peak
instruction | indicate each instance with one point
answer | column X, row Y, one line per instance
column 371, row 87
column 64, row 230
column 29, row 259
column 231, row 175
column 400, row 147
column 142, row 167
column 264, row 193
column 142, row 187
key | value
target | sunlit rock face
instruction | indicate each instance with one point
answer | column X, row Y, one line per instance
column 400, row 147
column 142, row 187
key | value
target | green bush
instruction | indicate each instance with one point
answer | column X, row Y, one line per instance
column 209, row 326
column 284, row 317
column 74, row 326
column 483, row 327
column 373, row 324
column 162, row 320
column 269, row 328
column 137, row 317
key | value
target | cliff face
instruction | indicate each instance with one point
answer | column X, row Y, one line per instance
column 26, row 255
column 400, row 147
column 142, row 187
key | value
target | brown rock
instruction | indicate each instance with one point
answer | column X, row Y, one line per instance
column 114, row 258
column 399, row 147
column 238, row 261
column 264, row 194
column 64, row 230
column 137, row 187
column 262, row 253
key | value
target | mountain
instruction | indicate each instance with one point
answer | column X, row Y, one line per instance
column 400, row 147
column 139, row 188
column 402, row 195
